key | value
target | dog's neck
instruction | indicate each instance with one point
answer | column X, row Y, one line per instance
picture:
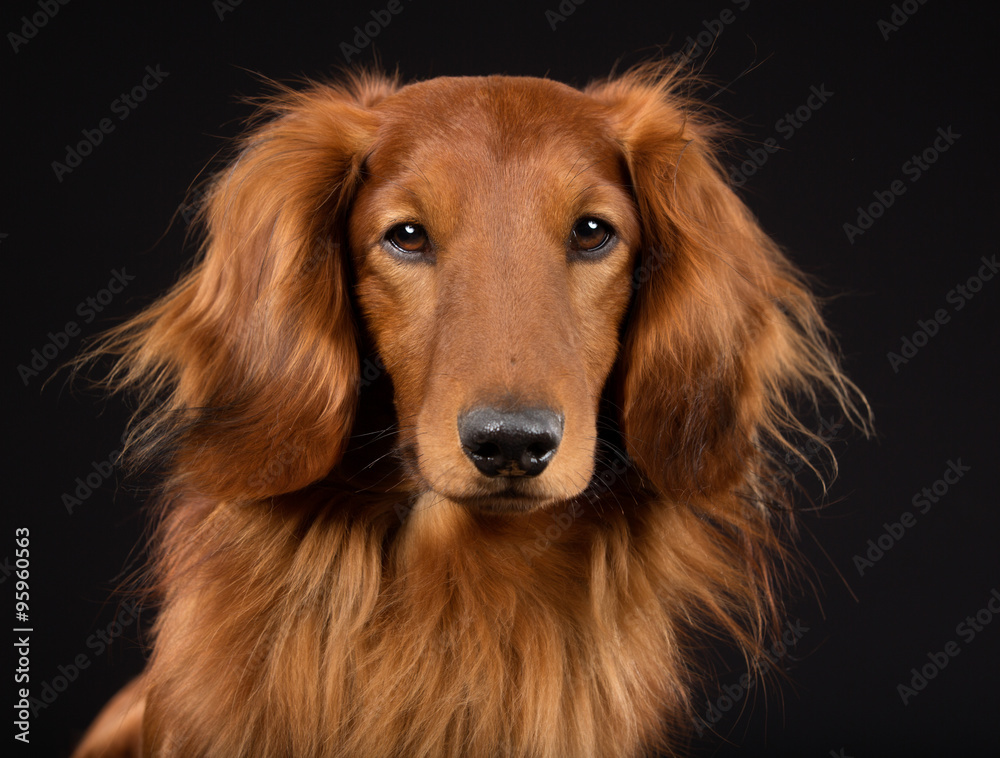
column 442, row 634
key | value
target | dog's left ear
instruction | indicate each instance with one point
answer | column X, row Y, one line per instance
column 723, row 334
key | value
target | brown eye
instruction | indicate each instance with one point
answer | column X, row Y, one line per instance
column 590, row 235
column 409, row 238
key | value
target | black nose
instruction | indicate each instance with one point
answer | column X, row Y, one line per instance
column 510, row 443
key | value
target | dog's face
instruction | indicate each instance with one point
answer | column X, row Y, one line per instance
column 493, row 236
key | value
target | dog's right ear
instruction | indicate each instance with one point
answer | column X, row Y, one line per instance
column 725, row 343
column 247, row 370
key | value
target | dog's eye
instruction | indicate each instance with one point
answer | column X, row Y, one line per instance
column 590, row 235
column 409, row 238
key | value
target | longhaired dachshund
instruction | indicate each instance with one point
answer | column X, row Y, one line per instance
column 474, row 420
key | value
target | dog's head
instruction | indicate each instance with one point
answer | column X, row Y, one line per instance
column 508, row 242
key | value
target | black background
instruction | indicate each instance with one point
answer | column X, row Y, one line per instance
column 119, row 209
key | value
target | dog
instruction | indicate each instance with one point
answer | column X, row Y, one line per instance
column 474, row 419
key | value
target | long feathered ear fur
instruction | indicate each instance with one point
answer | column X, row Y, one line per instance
column 247, row 370
column 723, row 353
column 725, row 337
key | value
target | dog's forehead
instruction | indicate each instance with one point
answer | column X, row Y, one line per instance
column 488, row 121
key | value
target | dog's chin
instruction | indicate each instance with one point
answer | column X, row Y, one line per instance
column 512, row 499
column 501, row 504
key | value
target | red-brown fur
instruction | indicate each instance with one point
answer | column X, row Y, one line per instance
column 322, row 594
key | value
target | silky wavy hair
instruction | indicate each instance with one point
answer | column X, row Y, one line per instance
column 300, row 616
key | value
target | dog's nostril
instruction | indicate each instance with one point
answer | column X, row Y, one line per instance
column 510, row 443
column 486, row 450
column 539, row 450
